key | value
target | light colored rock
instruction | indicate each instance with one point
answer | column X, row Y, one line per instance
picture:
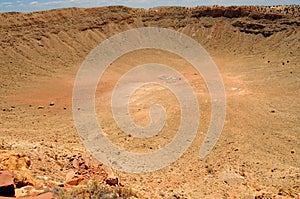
column 27, row 190
column 231, row 178
column 73, row 179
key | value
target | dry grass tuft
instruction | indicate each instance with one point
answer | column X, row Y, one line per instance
column 95, row 189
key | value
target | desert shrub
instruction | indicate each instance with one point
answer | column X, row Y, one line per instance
column 94, row 190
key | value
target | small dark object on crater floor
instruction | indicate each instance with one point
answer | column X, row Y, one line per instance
column 112, row 181
column 7, row 191
column 273, row 111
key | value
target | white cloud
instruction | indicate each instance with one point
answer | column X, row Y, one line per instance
column 52, row 3
column 33, row 3
column 6, row 3
column 68, row 3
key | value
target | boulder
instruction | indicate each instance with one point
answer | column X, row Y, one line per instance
column 7, row 188
column 73, row 179
column 112, row 181
column 28, row 191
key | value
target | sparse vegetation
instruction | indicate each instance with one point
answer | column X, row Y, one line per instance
column 95, row 189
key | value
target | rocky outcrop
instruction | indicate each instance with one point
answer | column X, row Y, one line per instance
column 97, row 18
column 257, row 28
column 254, row 20
column 81, row 169
column 18, row 164
column 16, row 179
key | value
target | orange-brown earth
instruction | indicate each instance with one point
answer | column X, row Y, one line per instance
column 257, row 52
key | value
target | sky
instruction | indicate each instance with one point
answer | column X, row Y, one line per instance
column 36, row 5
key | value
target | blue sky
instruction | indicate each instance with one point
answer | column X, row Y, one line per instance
column 35, row 5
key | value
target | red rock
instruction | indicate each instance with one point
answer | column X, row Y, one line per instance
column 48, row 195
column 6, row 184
column 73, row 179
column 112, row 181
column 6, row 178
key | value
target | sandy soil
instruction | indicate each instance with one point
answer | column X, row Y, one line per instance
column 258, row 152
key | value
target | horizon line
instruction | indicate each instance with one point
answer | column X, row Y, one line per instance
column 82, row 7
